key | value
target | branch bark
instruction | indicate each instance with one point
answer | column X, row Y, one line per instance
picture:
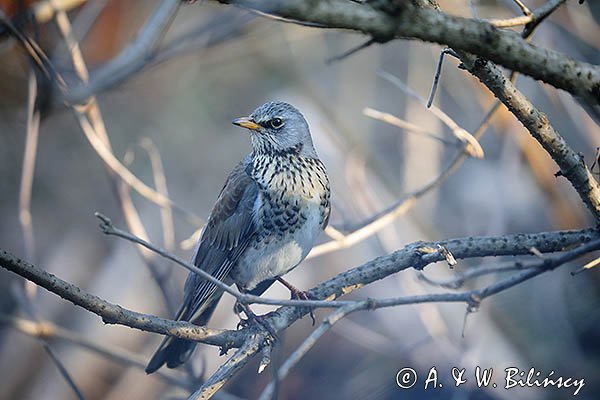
column 111, row 313
column 252, row 338
column 571, row 164
column 400, row 19
column 415, row 256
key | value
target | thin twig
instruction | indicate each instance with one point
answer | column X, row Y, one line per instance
column 402, row 124
column 47, row 330
column 109, row 229
column 160, row 181
column 92, row 124
column 35, row 53
column 63, row 371
column 350, row 52
column 134, row 223
column 460, row 279
column 192, row 240
column 25, row 299
column 133, row 57
column 523, row 7
column 44, row 11
column 309, row 343
column 438, row 72
column 125, row 174
column 29, row 156
column 369, row 227
column 25, row 219
column 594, row 263
column 540, row 14
column 474, row 148
column 230, row 367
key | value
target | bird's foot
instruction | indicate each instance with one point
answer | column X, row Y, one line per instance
column 260, row 320
column 297, row 294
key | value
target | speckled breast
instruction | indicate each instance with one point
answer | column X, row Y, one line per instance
column 291, row 210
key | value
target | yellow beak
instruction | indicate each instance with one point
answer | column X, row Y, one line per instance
column 247, row 123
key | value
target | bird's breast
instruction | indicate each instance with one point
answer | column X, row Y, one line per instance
column 289, row 213
column 292, row 187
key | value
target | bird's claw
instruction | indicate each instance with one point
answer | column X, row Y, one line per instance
column 297, row 294
column 260, row 320
column 303, row 295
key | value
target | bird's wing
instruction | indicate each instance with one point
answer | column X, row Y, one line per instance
column 226, row 235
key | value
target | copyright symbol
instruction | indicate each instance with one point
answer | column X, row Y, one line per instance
column 406, row 378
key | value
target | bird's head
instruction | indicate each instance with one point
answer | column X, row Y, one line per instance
column 278, row 127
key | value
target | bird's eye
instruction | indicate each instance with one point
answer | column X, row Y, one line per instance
column 276, row 123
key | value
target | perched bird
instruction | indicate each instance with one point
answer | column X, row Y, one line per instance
column 266, row 219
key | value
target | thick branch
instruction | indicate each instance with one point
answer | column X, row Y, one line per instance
column 571, row 164
column 111, row 313
column 402, row 20
column 251, row 339
column 417, row 256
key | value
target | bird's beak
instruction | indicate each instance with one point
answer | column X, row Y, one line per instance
column 246, row 122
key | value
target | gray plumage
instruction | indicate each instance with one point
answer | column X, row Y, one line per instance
column 266, row 219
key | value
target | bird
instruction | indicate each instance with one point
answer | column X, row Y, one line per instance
column 266, row 219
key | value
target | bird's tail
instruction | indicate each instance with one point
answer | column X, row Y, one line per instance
column 175, row 351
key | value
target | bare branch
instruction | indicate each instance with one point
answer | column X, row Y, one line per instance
column 460, row 279
column 523, row 7
column 473, row 147
column 402, row 124
column 504, row 47
column 44, row 11
column 46, row 330
column 473, row 298
column 134, row 223
column 530, row 19
column 63, row 371
column 112, row 313
column 230, row 367
column 438, row 72
column 572, row 165
column 416, row 255
column 25, row 296
column 309, row 343
column 160, row 181
column 132, row 58
column 594, row 263
column 350, row 52
column 29, row 156
column 251, row 341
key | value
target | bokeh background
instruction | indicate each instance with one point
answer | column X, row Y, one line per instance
column 234, row 62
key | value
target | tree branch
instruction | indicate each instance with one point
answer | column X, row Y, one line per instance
column 571, row 164
column 46, row 330
column 113, row 313
column 461, row 249
column 416, row 255
column 402, row 20
column 133, row 58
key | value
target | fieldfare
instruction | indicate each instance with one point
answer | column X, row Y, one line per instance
column 266, row 219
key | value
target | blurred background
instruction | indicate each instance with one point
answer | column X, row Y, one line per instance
column 224, row 62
